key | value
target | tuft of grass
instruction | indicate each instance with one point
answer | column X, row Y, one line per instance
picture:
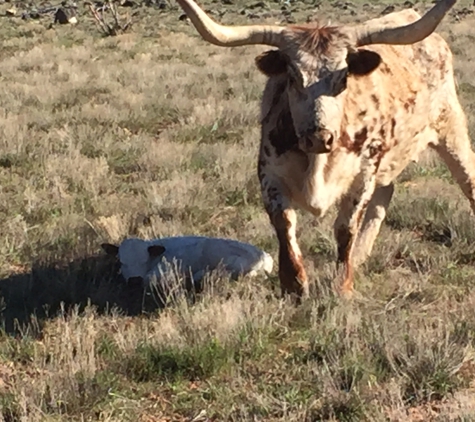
column 9, row 408
column 148, row 363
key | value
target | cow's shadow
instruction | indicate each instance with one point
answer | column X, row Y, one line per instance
column 28, row 299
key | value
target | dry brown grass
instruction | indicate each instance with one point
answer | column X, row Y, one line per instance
column 155, row 133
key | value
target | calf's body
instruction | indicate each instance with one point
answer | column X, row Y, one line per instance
column 192, row 256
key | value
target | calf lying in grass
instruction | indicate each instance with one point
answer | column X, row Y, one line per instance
column 193, row 256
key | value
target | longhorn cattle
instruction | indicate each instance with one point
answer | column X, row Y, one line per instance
column 344, row 110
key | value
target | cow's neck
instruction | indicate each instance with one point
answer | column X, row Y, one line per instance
column 365, row 121
column 328, row 178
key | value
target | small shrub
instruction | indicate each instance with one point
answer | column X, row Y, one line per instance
column 345, row 407
column 124, row 162
column 116, row 24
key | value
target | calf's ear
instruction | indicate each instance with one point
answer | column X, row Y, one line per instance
column 155, row 250
column 110, row 249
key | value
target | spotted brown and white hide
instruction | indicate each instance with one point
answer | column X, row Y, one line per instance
column 345, row 109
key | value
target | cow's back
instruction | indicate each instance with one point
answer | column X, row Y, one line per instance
column 407, row 69
column 403, row 103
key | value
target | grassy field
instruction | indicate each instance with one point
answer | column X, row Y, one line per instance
column 155, row 133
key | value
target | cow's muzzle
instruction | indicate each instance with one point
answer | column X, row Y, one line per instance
column 319, row 142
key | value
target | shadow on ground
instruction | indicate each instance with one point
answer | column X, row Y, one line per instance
column 27, row 300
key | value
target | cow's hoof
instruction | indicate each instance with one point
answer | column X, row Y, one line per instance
column 346, row 294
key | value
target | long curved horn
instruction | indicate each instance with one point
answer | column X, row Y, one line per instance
column 366, row 34
column 231, row 36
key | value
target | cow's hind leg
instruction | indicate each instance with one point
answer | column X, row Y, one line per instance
column 375, row 215
column 347, row 228
column 292, row 275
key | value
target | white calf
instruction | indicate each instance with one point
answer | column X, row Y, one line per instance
column 141, row 260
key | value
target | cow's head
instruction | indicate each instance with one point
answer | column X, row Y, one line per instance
column 136, row 257
column 316, row 62
column 316, row 73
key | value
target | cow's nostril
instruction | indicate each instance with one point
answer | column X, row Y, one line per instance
column 319, row 141
column 328, row 139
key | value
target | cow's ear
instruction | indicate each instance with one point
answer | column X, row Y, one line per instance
column 362, row 62
column 155, row 250
column 110, row 249
column 272, row 63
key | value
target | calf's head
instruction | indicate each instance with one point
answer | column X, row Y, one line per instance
column 136, row 258
column 316, row 63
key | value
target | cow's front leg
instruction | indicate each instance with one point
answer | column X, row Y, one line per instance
column 353, row 209
column 292, row 274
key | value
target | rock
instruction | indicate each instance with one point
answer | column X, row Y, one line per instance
column 159, row 4
column 343, row 5
column 461, row 13
column 65, row 15
column 259, row 4
column 465, row 11
column 388, row 9
column 30, row 15
column 127, row 3
column 10, row 12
